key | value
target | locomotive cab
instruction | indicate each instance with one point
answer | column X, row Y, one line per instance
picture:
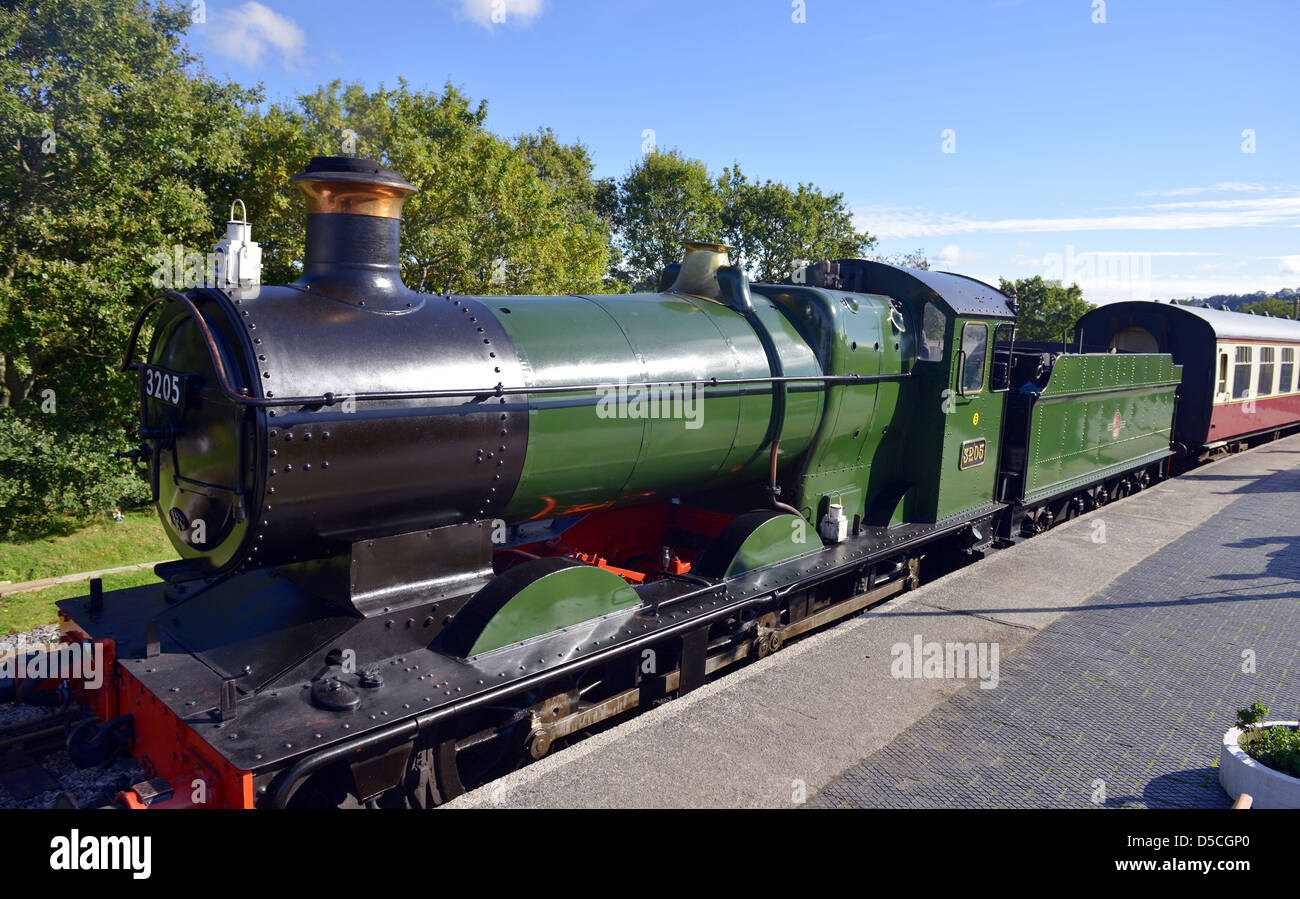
column 939, row 445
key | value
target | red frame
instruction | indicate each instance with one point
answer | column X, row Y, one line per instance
column 628, row 540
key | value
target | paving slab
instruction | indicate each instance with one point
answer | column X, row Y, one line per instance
column 1141, row 610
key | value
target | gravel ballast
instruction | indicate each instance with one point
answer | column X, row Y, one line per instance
column 88, row 787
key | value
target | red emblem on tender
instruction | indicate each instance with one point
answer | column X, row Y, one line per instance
column 1114, row 431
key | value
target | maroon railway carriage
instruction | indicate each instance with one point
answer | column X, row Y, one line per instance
column 1239, row 371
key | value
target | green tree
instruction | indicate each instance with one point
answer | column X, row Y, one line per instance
column 1271, row 306
column 53, row 479
column 278, row 143
column 776, row 228
column 663, row 201
column 491, row 216
column 916, row 259
column 1047, row 310
column 109, row 135
column 567, row 168
column 666, row 200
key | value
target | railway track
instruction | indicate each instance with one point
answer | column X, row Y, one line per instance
column 26, row 743
column 53, row 751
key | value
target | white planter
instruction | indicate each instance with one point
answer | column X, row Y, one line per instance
column 1239, row 773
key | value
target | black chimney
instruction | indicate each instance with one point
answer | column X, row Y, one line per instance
column 354, row 218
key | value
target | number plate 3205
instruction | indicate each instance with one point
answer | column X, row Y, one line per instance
column 163, row 385
column 972, row 453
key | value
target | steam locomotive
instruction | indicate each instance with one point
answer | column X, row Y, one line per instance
column 424, row 539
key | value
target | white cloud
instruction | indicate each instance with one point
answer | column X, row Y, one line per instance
column 1150, row 286
column 1232, row 265
column 1221, row 187
column 248, row 31
column 954, row 255
column 895, row 221
column 1182, row 287
column 501, row 12
column 1143, row 253
column 1261, row 202
column 1290, row 265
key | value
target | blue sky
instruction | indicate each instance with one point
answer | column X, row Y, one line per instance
column 1143, row 148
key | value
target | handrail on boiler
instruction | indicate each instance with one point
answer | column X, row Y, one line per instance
column 330, row 398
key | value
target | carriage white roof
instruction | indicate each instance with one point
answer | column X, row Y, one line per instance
column 1241, row 326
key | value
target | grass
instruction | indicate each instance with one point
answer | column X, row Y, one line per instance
column 108, row 544
column 24, row 611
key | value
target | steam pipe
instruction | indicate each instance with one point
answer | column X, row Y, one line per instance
column 773, row 490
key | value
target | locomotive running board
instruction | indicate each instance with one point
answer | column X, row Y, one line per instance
column 278, row 718
column 283, row 615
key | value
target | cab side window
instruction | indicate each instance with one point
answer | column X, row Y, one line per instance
column 974, row 346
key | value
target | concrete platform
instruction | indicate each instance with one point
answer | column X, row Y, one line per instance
column 1118, row 639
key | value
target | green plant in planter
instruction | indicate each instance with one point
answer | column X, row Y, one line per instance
column 1274, row 747
column 1253, row 715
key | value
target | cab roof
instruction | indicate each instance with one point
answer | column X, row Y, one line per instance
column 962, row 295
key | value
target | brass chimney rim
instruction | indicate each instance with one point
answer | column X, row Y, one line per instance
column 698, row 274
column 707, row 245
column 349, row 186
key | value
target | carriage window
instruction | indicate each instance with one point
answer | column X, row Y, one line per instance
column 933, row 325
column 1241, row 373
column 1223, row 373
column 1265, row 384
column 1286, row 377
column 974, row 344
